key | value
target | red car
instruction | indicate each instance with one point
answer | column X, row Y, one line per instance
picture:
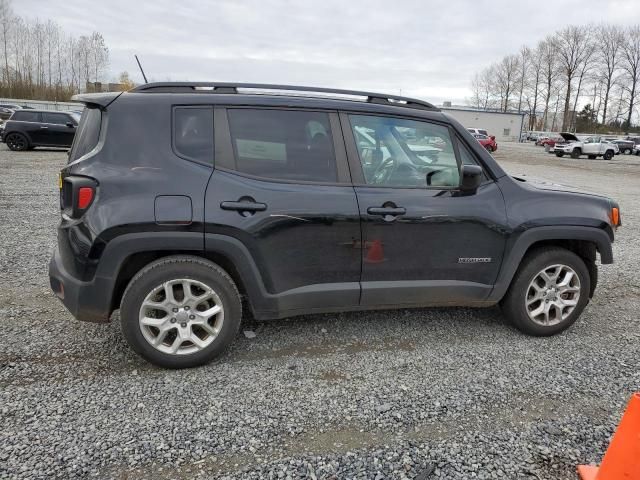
column 551, row 141
column 487, row 141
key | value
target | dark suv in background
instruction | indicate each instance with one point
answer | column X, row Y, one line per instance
column 179, row 199
column 28, row 128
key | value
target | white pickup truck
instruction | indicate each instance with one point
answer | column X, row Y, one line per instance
column 591, row 146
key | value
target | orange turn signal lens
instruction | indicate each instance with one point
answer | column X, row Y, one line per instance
column 615, row 216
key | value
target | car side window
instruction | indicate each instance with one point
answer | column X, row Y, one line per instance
column 55, row 118
column 23, row 116
column 283, row 144
column 405, row 153
column 193, row 133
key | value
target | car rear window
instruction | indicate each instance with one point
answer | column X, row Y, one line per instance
column 193, row 133
column 87, row 134
column 22, row 116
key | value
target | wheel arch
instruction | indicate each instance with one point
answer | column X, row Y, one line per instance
column 125, row 256
column 585, row 242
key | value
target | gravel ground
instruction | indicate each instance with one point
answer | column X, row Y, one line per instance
column 439, row 393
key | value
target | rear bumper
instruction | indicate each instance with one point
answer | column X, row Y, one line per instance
column 87, row 301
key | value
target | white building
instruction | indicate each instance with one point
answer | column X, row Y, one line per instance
column 505, row 126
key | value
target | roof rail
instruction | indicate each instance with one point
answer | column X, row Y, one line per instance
column 210, row 87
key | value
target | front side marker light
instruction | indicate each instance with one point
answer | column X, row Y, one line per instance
column 615, row 217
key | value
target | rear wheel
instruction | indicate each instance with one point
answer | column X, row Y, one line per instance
column 180, row 312
column 576, row 153
column 17, row 142
column 608, row 155
column 627, row 151
column 548, row 293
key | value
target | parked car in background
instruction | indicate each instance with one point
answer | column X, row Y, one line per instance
column 10, row 106
column 625, row 146
column 540, row 139
column 551, row 141
column 480, row 131
column 488, row 142
column 5, row 113
column 593, row 147
column 28, row 129
column 297, row 213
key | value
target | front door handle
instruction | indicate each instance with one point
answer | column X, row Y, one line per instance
column 384, row 211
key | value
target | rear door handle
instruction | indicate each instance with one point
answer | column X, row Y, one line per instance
column 394, row 211
column 244, row 206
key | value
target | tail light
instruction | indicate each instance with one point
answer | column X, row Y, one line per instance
column 76, row 195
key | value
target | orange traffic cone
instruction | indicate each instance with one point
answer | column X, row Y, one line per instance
column 622, row 459
column 375, row 254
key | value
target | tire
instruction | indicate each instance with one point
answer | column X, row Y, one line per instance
column 576, row 153
column 592, row 157
column 516, row 302
column 627, row 151
column 608, row 155
column 560, row 154
column 199, row 275
column 17, row 142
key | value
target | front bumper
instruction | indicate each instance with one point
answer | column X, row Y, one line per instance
column 87, row 301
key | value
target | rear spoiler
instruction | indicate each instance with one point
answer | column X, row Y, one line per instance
column 101, row 100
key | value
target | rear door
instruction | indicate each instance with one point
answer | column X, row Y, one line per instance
column 281, row 188
column 424, row 242
column 30, row 124
column 58, row 129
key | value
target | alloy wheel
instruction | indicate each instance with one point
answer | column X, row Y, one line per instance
column 181, row 316
column 552, row 295
column 16, row 142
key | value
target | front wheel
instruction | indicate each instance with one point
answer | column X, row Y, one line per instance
column 559, row 154
column 180, row 312
column 608, row 155
column 548, row 293
column 576, row 153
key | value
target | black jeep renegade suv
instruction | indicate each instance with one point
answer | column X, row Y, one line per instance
column 179, row 199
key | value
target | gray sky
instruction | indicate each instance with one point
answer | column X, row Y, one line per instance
column 428, row 49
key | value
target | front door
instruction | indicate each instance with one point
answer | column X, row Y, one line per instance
column 424, row 242
column 56, row 129
column 281, row 188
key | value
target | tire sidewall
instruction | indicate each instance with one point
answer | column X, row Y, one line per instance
column 154, row 275
column 516, row 304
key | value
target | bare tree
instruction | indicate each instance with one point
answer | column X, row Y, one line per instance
column 506, row 79
column 41, row 61
column 524, row 63
column 548, row 73
column 610, row 40
column 631, row 66
column 571, row 46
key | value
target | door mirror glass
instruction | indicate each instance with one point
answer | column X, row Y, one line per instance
column 471, row 178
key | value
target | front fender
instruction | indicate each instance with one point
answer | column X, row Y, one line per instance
column 517, row 248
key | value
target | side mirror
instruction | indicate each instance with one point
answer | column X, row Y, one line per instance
column 70, row 125
column 471, row 178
